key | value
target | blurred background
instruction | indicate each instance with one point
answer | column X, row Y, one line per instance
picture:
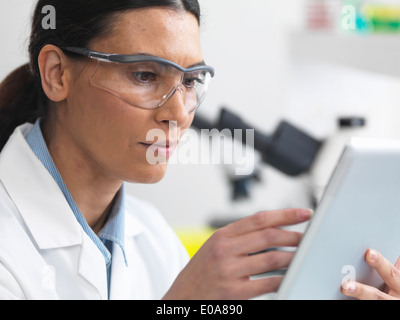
column 329, row 68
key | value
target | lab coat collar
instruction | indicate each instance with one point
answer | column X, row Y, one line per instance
column 133, row 227
column 36, row 195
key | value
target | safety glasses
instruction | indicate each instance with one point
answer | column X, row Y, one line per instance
column 148, row 82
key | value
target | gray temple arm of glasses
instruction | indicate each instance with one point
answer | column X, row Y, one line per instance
column 121, row 58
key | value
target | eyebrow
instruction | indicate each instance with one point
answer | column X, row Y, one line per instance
column 198, row 64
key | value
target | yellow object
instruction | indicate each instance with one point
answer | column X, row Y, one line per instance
column 194, row 237
column 387, row 13
column 383, row 19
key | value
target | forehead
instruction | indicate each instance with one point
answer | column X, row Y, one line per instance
column 166, row 33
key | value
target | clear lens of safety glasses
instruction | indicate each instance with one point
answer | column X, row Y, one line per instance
column 147, row 81
column 149, row 85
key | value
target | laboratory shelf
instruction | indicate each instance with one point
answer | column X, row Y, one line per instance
column 372, row 52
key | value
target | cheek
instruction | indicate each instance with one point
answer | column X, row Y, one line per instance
column 122, row 129
column 113, row 131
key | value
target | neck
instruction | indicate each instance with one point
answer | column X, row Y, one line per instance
column 92, row 190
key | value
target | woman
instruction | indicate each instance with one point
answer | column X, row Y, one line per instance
column 68, row 229
column 74, row 127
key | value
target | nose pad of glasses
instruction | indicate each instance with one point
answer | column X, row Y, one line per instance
column 170, row 94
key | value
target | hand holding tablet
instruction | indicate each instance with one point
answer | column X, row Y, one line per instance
column 390, row 274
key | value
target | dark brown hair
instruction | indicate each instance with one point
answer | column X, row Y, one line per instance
column 78, row 22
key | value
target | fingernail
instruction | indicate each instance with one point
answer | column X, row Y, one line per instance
column 306, row 213
column 349, row 287
column 372, row 255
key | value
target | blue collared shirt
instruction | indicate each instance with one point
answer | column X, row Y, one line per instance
column 113, row 231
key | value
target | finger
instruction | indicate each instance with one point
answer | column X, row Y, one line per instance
column 268, row 219
column 255, row 288
column 263, row 263
column 265, row 239
column 389, row 273
column 363, row 292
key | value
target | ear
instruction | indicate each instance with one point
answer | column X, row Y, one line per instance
column 54, row 73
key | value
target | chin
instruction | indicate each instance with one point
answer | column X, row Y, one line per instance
column 152, row 174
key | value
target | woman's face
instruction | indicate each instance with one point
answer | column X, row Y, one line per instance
column 112, row 134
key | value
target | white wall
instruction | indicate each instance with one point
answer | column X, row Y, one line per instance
column 247, row 43
column 14, row 33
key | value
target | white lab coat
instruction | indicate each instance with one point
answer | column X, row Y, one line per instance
column 45, row 254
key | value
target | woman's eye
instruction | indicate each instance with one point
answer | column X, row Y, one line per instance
column 191, row 82
column 144, row 77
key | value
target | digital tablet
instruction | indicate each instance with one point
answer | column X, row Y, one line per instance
column 360, row 209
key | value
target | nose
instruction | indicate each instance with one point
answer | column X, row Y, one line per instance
column 170, row 94
column 172, row 107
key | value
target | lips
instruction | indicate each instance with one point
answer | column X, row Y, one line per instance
column 158, row 144
column 161, row 149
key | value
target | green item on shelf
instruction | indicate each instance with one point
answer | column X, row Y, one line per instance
column 382, row 18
